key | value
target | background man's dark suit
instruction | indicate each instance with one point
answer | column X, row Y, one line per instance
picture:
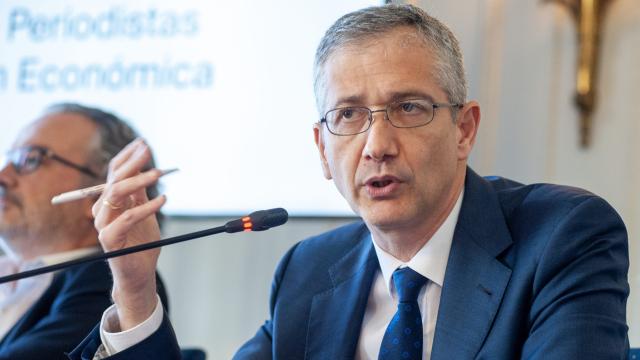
column 535, row 271
column 63, row 315
column 70, row 306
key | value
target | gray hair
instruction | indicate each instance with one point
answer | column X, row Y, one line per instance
column 369, row 23
column 114, row 133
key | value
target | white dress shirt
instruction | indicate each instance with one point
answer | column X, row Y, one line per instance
column 17, row 297
column 430, row 262
column 115, row 341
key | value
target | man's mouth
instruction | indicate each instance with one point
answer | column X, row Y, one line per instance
column 380, row 187
column 381, row 183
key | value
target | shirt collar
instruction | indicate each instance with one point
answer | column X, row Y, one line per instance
column 57, row 258
column 431, row 260
column 9, row 265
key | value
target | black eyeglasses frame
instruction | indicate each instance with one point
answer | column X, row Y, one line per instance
column 45, row 153
column 385, row 110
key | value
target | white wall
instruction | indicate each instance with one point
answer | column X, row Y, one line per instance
column 520, row 58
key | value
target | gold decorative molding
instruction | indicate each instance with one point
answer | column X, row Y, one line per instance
column 588, row 15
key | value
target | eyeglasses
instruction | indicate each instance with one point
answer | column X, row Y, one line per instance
column 27, row 159
column 354, row 120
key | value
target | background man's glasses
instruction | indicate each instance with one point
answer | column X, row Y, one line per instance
column 28, row 159
column 354, row 120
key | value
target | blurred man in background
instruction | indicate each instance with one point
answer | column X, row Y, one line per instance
column 69, row 147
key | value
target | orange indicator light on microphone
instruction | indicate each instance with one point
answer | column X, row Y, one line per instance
column 246, row 223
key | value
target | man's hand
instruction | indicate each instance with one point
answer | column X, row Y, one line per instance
column 125, row 217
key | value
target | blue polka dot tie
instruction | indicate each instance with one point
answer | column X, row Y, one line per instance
column 403, row 338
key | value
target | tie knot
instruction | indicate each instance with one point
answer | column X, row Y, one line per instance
column 408, row 284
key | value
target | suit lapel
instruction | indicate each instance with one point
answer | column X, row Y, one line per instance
column 37, row 311
column 475, row 280
column 336, row 314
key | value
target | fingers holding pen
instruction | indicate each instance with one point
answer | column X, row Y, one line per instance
column 130, row 164
column 122, row 195
column 127, row 163
column 113, row 235
column 123, row 156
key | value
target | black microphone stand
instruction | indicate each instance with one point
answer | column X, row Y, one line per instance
column 256, row 221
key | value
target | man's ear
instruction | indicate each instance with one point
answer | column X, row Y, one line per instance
column 318, row 137
column 467, row 123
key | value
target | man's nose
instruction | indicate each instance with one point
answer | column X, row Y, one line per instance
column 7, row 174
column 381, row 138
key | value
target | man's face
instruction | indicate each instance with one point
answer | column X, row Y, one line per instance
column 394, row 178
column 28, row 222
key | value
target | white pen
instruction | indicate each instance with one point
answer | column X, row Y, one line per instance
column 90, row 191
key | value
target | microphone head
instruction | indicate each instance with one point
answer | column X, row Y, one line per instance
column 258, row 221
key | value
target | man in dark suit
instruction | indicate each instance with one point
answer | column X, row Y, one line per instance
column 68, row 147
column 444, row 265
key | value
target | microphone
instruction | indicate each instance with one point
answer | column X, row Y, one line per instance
column 256, row 221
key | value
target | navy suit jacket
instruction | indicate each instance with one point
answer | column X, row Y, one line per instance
column 62, row 316
column 534, row 272
column 69, row 308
